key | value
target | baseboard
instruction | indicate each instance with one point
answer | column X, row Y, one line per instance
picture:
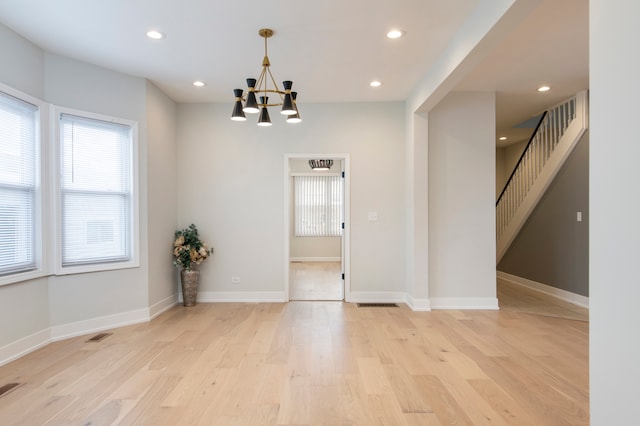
column 465, row 303
column 376, row 297
column 558, row 293
column 28, row 344
column 315, row 259
column 453, row 303
column 163, row 305
column 23, row 346
column 418, row 305
column 65, row 331
column 240, row 297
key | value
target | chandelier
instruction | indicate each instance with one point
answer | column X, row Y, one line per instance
column 260, row 87
column 320, row 164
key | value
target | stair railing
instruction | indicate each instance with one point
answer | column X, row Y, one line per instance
column 546, row 136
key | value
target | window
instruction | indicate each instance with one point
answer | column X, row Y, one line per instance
column 96, row 191
column 318, row 206
column 19, row 183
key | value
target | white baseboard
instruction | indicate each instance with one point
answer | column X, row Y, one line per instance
column 418, row 305
column 464, row 303
column 376, row 297
column 35, row 341
column 39, row 339
column 163, row 305
column 23, row 346
column 240, row 297
column 480, row 303
column 315, row 259
column 567, row 296
column 65, row 331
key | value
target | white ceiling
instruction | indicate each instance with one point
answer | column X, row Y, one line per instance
column 331, row 49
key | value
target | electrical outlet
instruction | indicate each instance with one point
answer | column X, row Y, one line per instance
column 235, row 280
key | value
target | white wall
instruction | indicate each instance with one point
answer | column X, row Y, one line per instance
column 614, row 201
column 462, row 201
column 417, row 213
column 231, row 185
column 162, row 196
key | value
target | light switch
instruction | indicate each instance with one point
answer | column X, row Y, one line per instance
column 579, row 216
column 373, row 216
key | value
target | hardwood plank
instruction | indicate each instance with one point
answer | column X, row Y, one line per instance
column 310, row 363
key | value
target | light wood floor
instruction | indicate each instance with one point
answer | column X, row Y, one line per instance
column 513, row 297
column 315, row 281
column 310, row 363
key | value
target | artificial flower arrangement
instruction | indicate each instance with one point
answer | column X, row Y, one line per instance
column 188, row 249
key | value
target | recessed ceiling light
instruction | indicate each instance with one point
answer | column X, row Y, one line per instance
column 503, row 138
column 395, row 34
column 544, row 88
column 375, row 83
column 156, row 35
column 199, row 83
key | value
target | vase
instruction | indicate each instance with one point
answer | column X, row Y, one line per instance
column 189, row 279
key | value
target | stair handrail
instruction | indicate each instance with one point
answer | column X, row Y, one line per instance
column 524, row 152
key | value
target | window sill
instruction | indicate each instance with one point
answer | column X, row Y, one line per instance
column 99, row 267
column 22, row 276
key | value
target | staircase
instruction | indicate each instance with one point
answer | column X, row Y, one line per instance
column 560, row 128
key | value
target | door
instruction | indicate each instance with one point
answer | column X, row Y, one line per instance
column 316, row 265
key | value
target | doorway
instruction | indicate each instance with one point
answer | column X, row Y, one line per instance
column 316, row 227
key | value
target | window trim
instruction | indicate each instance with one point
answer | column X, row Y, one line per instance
column 42, row 193
column 56, row 224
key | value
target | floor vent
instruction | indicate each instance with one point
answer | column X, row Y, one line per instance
column 99, row 337
column 377, row 305
column 5, row 389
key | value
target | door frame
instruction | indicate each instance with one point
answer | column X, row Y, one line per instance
column 346, row 258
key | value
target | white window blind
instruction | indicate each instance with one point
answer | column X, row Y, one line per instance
column 95, row 191
column 318, row 206
column 18, row 184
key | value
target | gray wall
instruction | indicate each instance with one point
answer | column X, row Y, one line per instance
column 239, row 206
column 553, row 248
column 614, row 198
column 31, row 309
column 24, row 306
column 162, row 170
column 75, row 84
